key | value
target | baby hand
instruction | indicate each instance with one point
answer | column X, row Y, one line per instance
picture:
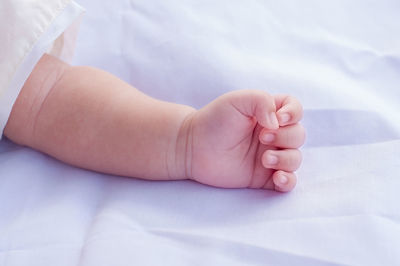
column 246, row 138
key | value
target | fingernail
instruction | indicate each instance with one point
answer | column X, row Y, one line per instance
column 272, row 159
column 269, row 137
column 284, row 118
column 273, row 120
column 283, row 179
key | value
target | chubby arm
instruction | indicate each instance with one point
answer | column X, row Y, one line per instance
column 91, row 119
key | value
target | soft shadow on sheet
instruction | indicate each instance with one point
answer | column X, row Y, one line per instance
column 346, row 127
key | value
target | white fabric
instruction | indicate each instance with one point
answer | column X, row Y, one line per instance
column 340, row 58
column 28, row 29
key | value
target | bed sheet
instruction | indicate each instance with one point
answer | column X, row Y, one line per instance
column 340, row 58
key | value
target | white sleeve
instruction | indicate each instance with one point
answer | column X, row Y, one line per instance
column 28, row 29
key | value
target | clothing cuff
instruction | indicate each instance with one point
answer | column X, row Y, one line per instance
column 58, row 40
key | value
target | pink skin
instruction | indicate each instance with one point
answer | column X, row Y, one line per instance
column 91, row 119
column 235, row 145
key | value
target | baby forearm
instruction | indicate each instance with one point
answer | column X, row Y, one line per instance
column 94, row 120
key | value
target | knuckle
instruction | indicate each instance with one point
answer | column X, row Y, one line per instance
column 302, row 135
column 293, row 160
column 292, row 136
